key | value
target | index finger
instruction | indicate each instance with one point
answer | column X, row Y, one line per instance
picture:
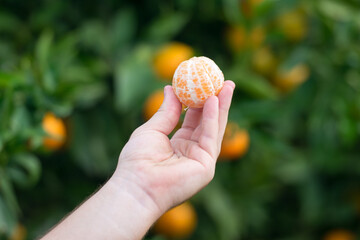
column 225, row 97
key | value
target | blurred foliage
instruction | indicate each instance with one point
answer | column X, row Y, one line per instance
column 90, row 62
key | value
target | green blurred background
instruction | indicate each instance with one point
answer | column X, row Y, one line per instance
column 93, row 64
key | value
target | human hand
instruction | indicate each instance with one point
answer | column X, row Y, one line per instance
column 154, row 172
column 169, row 171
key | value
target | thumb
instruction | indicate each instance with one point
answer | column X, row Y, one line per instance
column 166, row 118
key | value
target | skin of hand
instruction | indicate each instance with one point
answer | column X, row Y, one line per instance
column 154, row 173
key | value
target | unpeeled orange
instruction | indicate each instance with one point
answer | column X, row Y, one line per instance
column 169, row 57
column 178, row 222
column 235, row 143
column 56, row 131
column 288, row 80
column 339, row 234
column 197, row 79
column 153, row 103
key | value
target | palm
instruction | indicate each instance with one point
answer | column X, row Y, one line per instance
column 183, row 164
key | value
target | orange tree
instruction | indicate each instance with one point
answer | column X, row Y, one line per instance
column 296, row 65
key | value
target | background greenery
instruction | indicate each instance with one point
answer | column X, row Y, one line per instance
column 90, row 62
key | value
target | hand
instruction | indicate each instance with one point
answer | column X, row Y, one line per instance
column 154, row 173
column 169, row 171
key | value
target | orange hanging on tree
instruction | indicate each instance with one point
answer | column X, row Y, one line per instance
column 339, row 234
column 179, row 222
column 169, row 57
column 56, row 131
column 288, row 80
column 240, row 38
column 153, row 103
column 235, row 143
column 197, row 79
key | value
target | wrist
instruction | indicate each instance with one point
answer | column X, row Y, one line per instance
column 135, row 203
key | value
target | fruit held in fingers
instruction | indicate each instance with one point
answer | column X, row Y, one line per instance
column 197, row 79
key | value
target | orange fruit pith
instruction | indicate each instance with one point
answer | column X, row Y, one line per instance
column 153, row 103
column 169, row 57
column 56, row 131
column 339, row 234
column 178, row 222
column 195, row 80
column 235, row 143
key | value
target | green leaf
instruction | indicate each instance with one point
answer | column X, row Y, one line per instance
column 8, row 219
column 298, row 56
column 5, row 109
column 8, row 22
column 132, row 78
column 122, row 29
column 339, row 11
column 49, row 80
column 292, row 170
column 93, row 35
column 42, row 50
column 6, row 189
column 10, row 79
column 87, row 95
column 254, row 85
column 19, row 120
column 232, row 10
column 222, row 210
column 166, row 27
column 25, row 169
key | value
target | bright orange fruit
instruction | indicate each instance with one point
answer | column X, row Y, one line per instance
column 339, row 234
column 235, row 143
column 236, row 37
column 240, row 38
column 179, row 222
column 153, row 103
column 195, row 80
column 56, row 131
column 287, row 80
column 169, row 57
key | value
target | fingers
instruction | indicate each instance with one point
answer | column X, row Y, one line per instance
column 225, row 97
column 192, row 118
column 191, row 121
column 166, row 118
column 208, row 139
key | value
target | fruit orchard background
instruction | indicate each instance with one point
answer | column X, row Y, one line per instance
column 296, row 65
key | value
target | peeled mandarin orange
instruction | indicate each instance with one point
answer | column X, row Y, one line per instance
column 197, row 79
